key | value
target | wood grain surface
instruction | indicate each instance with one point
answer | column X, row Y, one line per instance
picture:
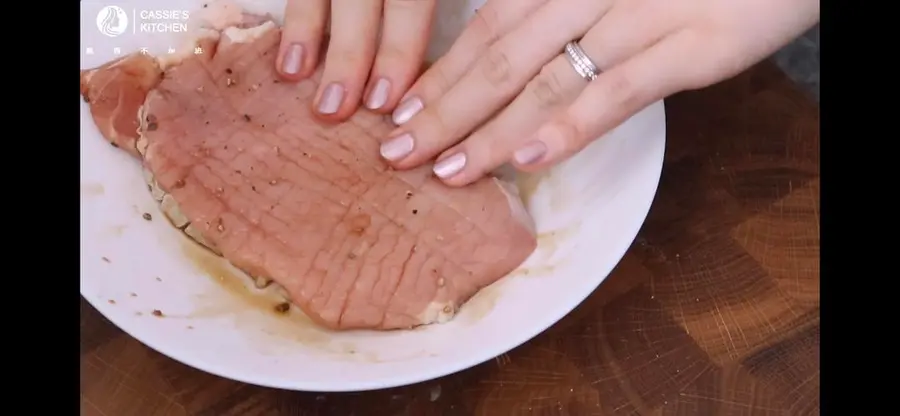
column 713, row 311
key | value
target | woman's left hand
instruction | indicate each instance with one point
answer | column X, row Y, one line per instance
column 505, row 93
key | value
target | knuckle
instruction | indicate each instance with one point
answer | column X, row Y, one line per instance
column 434, row 82
column 486, row 24
column 436, row 123
column 299, row 30
column 482, row 157
column 495, row 66
column 300, row 23
column 547, row 89
column 570, row 134
column 624, row 90
column 390, row 54
column 346, row 58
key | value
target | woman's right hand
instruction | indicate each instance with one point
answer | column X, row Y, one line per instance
column 360, row 65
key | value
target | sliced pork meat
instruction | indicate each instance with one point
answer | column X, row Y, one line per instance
column 237, row 160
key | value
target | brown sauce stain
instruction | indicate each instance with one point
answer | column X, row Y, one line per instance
column 258, row 309
column 117, row 230
column 534, row 272
column 548, row 245
column 549, row 242
column 92, row 189
column 228, row 278
column 484, row 301
column 529, row 183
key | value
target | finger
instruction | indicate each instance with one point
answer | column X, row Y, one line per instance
column 608, row 101
column 492, row 145
column 301, row 37
column 496, row 77
column 404, row 38
column 351, row 49
column 491, row 21
column 620, row 33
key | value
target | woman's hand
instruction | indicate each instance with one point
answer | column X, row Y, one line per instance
column 359, row 63
column 505, row 92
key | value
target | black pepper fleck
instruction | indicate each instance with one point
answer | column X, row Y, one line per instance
column 113, row 144
column 247, row 117
column 228, row 71
column 147, row 216
column 415, row 211
column 157, row 313
column 282, row 307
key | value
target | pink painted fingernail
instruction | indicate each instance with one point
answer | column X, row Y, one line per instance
column 450, row 166
column 293, row 59
column 331, row 99
column 530, row 153
column 379, row 94
column 398, row 147
column 407, row 110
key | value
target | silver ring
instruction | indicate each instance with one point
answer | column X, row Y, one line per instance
column 581, row 62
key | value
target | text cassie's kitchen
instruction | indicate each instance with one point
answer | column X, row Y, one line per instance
column 162, row 21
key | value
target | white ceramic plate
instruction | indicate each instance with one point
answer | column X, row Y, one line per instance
column 587, row 211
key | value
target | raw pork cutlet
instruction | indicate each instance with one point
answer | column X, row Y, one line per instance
column 237, row 160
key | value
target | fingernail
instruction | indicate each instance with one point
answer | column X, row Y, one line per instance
column 293, row 59
column 331, row 99
column 398, row 147
column 532, row 152
column 407, row 110
column 450, row 166
column 379, row 94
